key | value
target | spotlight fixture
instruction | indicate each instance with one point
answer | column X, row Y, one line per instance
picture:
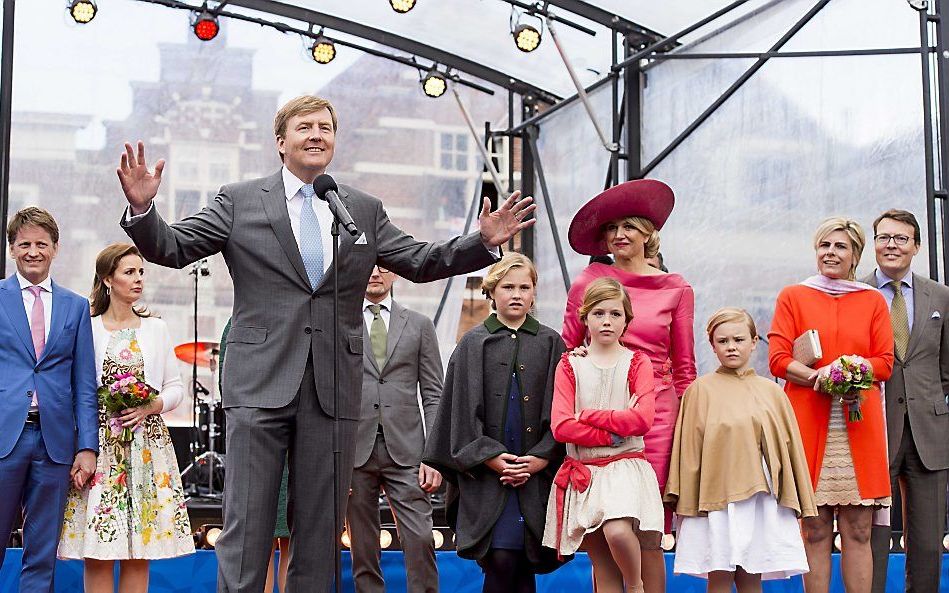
column 434, row 84
column 323, row 50
column 526, row 37
column 385, row 538
column 402, row 6
column 346, row 540
column 82, row 11
column 205, row 26
column 919, row 5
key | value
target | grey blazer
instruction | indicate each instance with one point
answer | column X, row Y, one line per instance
column 920, row 382
column 278, row 320
column 389, row 395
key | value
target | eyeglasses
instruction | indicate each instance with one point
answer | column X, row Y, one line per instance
column 885, row 239
column 382, row 270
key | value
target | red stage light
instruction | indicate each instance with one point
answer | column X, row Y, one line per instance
column 206, row 27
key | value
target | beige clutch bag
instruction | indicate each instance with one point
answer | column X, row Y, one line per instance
column 807, row 348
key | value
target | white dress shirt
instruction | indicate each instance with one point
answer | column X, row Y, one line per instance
column 367, row 315
column 46, row 295
column 291, row 186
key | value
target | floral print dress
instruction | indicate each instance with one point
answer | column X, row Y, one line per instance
column 133, row 508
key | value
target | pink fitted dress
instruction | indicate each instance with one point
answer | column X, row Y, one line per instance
column 663, row 311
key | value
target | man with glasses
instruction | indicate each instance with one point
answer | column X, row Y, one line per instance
column 917, row 417
column 402, row 363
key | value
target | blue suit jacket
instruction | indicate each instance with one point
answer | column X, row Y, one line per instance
column 65, row 374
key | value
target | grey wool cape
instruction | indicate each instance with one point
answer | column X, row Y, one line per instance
column 469, row 430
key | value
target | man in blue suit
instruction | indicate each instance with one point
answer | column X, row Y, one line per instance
column 49, row 426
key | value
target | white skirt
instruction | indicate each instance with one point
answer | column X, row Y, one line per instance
column 756, row 534
column 626, row 488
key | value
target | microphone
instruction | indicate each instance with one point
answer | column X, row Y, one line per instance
column 325, row 188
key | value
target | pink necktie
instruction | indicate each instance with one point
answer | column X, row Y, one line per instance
column 37, row 327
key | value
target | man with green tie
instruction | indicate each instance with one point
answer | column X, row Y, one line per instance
column 917, row 418
column 401, row 370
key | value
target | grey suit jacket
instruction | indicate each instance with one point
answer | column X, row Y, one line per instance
column 278, row 320
column 389, row 395
column 920, row 382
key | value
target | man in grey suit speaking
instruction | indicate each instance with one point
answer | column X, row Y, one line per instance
column 278, row 390
column 917, row 418
column 402, row 363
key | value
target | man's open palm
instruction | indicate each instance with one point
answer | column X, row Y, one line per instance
column 138, row 183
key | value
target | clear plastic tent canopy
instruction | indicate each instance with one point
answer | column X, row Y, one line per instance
column 804, row 138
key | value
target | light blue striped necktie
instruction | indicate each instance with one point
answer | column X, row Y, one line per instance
column 311, row 241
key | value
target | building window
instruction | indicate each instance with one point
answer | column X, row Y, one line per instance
column 454, row 152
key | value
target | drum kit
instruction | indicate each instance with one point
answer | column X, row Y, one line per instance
column 204, row 476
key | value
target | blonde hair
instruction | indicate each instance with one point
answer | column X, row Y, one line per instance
column 854, row 231
column 648, row 229
column 605, row 289
column 730, row 315
column 499, row 270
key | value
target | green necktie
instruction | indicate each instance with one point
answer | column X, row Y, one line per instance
column 377, row 335
column 899, row 320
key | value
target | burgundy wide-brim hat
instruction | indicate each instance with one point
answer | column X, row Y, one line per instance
column 647, row 198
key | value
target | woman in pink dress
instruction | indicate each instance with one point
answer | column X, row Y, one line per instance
column 624, row 221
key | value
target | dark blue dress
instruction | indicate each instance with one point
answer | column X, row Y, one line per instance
column 508, row 532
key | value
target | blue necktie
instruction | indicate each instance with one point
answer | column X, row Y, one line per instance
column 311, row 242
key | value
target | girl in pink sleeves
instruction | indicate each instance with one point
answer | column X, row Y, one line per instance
column 624, row 221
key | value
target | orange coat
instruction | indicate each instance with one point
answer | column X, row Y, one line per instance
column 855, row 323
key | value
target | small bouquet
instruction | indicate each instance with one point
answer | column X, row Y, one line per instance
column 121, row 391
column 846, row 375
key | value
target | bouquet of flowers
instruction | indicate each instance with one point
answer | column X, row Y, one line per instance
column 121, row 391
column 848, row 374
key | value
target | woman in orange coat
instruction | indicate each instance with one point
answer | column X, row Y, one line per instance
column 847, row 460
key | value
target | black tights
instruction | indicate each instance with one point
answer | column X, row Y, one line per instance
column 507, row 571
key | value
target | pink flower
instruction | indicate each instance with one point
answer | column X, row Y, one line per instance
column 115, row 426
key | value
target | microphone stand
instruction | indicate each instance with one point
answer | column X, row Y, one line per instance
column 337, row 451
column 198, row 269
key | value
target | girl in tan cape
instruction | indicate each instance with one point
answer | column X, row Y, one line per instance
column 738, row 476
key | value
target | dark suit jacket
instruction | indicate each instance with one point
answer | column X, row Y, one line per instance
column 389, row 396
column 65, row 375
column 278, row 320
column 920, row 382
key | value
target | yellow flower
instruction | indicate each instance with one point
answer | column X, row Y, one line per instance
column 146, row 535
column 133, row 346
column 146, row 455
column 163, row 479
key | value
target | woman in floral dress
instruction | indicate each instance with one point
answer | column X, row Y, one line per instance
column 133, row 509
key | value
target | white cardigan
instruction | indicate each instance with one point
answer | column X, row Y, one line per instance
column 161, row 366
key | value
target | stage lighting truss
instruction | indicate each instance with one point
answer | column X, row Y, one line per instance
column 527, row 37
column 82, row 11
column 323, row 50
column 205, row 26
column 402, row 6
column 434, row 83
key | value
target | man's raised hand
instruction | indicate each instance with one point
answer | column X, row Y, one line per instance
column 138, row 183
column 498, row 227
